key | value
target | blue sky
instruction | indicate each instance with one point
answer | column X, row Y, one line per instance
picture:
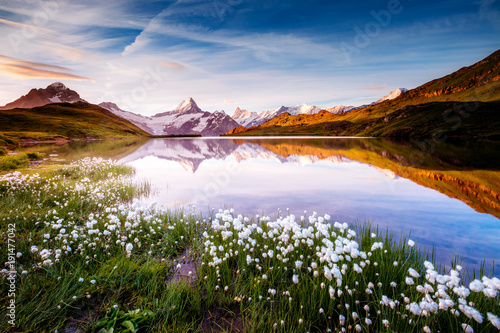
column 147, row 56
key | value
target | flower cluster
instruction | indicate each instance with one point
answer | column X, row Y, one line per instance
column 320, row 272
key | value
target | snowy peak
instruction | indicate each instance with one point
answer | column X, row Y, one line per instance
column 340, row 109
column 297, row 109
column 188, row 106
column 248, row 119
column 56, row 86
column 393, row 94
column 54, row 93
column 186, row 118
column 245, row 117
column 241, row 114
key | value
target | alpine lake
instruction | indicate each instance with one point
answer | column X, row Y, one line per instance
column 443, row 195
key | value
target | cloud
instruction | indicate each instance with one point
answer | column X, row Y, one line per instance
column 172, row 65
column 266, row 46
column 26, row 26
column 10, row 60
column 24, row 72
column 373, row 88
column 109, row 14
column 67, row 53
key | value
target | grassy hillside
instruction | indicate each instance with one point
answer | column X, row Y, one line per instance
column 63, row 121
column 439, row 120
column 464, row 103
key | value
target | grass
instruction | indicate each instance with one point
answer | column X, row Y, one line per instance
column 90, row 257
column 18, row 161
column 12, row 162
column 63, row 121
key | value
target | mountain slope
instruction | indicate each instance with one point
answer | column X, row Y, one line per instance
column 439, row 105
column 136, row 119
column 54, row 93
column 79, row 120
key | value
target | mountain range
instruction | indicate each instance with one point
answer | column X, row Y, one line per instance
column 186, row 119
column 465, row 103
column 441, row 105
column 246, row 118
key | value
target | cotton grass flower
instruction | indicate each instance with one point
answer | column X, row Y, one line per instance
column 467, row 328
column 494, row 320
column 413, row 273
column 409, row 281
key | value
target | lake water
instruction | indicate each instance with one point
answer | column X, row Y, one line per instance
column 445, row 194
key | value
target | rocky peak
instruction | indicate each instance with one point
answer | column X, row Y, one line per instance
column 56, row 86
column 187, row 106
column 54, row 93
column 239, row 113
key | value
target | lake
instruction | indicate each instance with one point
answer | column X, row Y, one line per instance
column 445, row 195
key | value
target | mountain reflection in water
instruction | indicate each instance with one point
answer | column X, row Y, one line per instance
column 402, row 185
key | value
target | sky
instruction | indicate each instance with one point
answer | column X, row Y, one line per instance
column 149, row 55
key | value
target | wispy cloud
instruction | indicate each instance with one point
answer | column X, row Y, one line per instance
column 373, row 88
column 109, row 14
column 18, row 68
column 268, row 47
column 65, row 52
column 172, row 65
column 26, row 26
column 11, row 60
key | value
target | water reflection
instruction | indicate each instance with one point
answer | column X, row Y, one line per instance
column 393, row 184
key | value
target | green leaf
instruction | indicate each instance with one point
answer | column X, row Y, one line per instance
column 129, row 326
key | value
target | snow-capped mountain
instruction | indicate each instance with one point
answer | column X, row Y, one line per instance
column 186, row 118
column 340, row 109
column 245, row 117
column 54, row 93
column 187, row 106
column 248, row 119
column 393, row 94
